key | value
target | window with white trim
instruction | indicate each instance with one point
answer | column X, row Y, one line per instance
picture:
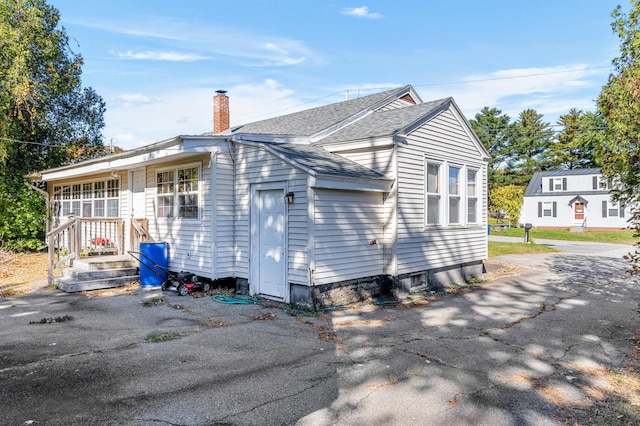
column 433, row 193
column 454, row 195
column 472, row 196
column 177, row 193
column 88, row 199
column 547, row 209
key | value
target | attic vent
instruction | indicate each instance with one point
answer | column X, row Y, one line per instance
column 408, row 99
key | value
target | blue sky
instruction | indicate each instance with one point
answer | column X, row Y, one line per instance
column 158, row 63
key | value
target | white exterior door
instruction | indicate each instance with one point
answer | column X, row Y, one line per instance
column 271, row 236
column 137, row 194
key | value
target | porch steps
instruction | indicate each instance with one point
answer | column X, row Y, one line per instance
column 577, row 227
column 95, row 273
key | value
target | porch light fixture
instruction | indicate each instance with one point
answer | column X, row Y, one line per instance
column 289, row 197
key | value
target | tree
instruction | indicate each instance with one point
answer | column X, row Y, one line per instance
column 619, row 104
column 531, row 139
column 508, row 199
column 46, row 116
column 575, row 145
column 492, row 128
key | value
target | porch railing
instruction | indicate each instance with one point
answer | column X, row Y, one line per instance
column 83, row 237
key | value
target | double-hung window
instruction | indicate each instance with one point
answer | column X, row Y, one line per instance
column 177, row 193
column 455, row 195
column 472, row 196
column 433, row 193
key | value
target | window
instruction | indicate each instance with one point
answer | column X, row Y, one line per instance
column 433, row 193
column 547, row 209
column 89, row 199
column 454, row 195
column 612, row 209
column 178, row 193
column 557, row 184
column 472, row 196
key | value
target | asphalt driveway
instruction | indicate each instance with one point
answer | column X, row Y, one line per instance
column 510, row 351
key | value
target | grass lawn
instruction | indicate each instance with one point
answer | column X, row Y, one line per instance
column 498, row 248
column 614, row 237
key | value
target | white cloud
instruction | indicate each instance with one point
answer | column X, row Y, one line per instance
column 549, row 90
column 361, row 12
column 128, row 100
column 190, row 112
column 162, row 56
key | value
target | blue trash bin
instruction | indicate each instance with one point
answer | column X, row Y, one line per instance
column 154, row 263
column 488, row 229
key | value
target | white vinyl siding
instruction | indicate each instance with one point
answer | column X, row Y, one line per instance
column 421, row 247
column 189, row 239
column 222, row 198
column 348, row 235
column 259, row 166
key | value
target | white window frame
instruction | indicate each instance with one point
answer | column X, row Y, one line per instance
column 86, row 197
column 548, row 204
column 472, row 197
column 437, row 194
column 458, row 195
column 177, row 192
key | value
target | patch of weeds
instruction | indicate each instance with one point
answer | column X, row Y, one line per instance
column 153, row 302
column 269, row 316
column 55, row 284
column 543, row 307
column 10, row 291
column 474, row 280
column 52, row 320
column 158, row 336
column 454, row 289
column 212, row 323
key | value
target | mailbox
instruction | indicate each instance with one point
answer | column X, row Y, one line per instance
column 527, row 227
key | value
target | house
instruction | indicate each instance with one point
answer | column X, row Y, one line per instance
column 319, row 207
column 578, row 199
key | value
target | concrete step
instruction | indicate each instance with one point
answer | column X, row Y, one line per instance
column 577, row 228
column 70, row 285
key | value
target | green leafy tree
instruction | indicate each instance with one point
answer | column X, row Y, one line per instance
column 46, row 116
column 531, row 138
column 508, row 200
column 492, row 128
column 619, row 104
column 574, row 147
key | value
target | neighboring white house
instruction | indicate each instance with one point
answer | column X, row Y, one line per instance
column 579, row 199
column 323, row 206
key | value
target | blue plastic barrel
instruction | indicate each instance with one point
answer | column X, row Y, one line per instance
column 154, row 263
column 488, row 229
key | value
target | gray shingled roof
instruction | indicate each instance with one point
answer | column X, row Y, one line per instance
column 384, row 123
column 314, row 120
column 323, row 162
column 535, row 184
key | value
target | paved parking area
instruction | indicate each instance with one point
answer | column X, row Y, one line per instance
column 505, row 352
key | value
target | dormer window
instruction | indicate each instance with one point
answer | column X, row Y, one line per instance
column 557, row 184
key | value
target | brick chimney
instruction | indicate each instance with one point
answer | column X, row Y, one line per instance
column 220, row 112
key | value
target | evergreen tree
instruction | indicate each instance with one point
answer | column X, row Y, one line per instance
column 531, row 138
column 492, row 128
